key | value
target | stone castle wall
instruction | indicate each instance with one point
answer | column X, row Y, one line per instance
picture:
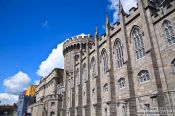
column 96, row 92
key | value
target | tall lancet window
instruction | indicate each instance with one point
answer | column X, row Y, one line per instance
column 84, row 73
column 168, row 31
column 77, row 76
column 93, row 66
column 119, row 53
column 104, row 61
column 138, row 42
column 173, row 66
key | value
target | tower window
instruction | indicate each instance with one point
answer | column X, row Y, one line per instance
column 93, row 91
column 77, row 77
column 52, row 103
column 84, row 73
column 105, row 87
column 52, row 113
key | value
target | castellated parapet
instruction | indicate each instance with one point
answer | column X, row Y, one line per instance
column 76, row 42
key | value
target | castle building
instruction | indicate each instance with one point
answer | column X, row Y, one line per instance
column 48, row 99
column 129, row 71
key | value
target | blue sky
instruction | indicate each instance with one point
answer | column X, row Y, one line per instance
column 31, row 32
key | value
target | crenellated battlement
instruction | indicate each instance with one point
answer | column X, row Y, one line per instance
column 164, row 10
column 103, row 36
column 133, row 12
column 76, row 42
column 115, row 28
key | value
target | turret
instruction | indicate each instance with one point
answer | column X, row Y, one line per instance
column 75, row 43
column 120, row 9
column 107, row 25
column 96, row 32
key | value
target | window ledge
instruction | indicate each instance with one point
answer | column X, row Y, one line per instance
column 142, row 83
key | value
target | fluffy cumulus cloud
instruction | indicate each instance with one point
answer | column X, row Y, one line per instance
column 6, row 98
column 127, row 4
column 54, row 60
column 16, row 83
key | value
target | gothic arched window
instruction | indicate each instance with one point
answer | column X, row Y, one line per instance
column 121, row 83
column 104, row 60
column 137, row 35
column 93, row 91
column 173, row 66
column 119, row 53
column 143, row 76
column 84, row 73
column 105, row 87
column 93, row 66
column 168, row 31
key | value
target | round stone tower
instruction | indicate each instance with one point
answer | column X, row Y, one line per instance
column 74, row 50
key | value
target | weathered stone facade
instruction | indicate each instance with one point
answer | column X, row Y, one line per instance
column 48, row 101
column 129, row 70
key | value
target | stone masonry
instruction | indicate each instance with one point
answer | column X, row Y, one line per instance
column 48, row 101
column 128, row 71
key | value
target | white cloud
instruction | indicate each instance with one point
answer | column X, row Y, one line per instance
column 82, row 35
column 127, row 4
column 16, row 83
column 7, row 98
column 36, row 82
column 45, row 24
column 54, row 60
